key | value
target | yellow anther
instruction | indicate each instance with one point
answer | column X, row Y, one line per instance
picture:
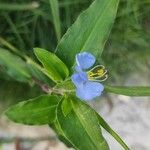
column 90, row 74
column 100, row 72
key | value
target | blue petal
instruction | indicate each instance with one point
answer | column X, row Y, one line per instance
column 85, row 60
column 79, row 78
column 78, row 68
column 89, row 90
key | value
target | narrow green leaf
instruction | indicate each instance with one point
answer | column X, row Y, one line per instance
column 8, row 45
column 56, row 19
column 104, row 124
column 36, row 111
column 89, row 32
column 18, row 7
column 14, row 66
column 15, row 31
column 80, row 126
column 54, row 67
column 129, row 91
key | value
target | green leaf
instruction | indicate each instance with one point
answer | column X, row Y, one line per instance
column 36, row 111
column 37, row 71
column 56, row 19
column 56, row 127
column 129, row 91
column 54, row 67
column 14, row 66
column 80, row 126
column 18, row 7
column 104, row 124
column 12, row 92
column 89, row 32
column 66, row 109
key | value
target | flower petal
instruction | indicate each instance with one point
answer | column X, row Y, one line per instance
column 89, row 90
column 79, row 78
column 85, row 60
column 78, row 68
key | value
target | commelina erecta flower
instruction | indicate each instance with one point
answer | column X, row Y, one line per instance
column 87, row 81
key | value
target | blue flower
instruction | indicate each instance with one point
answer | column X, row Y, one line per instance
column 86, row 89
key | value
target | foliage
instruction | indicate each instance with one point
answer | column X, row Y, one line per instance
column 12, row 92
column 60, row 108
column 41, row 110
column 54, row 67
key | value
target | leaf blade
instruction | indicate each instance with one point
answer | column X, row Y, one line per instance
column 129, row 91
column 104, row 124
column 14, row 66
column 88, row 33
column 36, row 111
column 56, row 19
column 83, row 121
column 54, row 67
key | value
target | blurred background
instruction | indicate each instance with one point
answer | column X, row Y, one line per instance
column 28, row 24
